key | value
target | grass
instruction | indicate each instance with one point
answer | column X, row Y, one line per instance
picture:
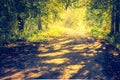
column 45, row 35
column 72, row 20
column 99, row 33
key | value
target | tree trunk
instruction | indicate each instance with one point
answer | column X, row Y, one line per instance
column 67, row 4
column 117, row 27
column 39, row 24
column 46, row 25
column 112, row 30
column 117, row 20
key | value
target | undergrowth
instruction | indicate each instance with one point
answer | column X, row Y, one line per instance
column 115, row 40
column 44, row 35
column 99, row 33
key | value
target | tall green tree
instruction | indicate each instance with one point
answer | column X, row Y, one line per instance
column 114, row 7
column 115, row 12
column 15, row 13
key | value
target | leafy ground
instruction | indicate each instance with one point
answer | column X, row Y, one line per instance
column 73, row 55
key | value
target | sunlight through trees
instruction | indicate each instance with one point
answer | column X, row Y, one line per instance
column 63, row 39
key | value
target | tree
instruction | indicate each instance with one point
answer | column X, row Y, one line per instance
column 115, row 23
column 14, row 15
column 114, row 7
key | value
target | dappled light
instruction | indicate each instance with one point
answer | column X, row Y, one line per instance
column 68, row 71
column 64, row 42
column 56, row 61
column 59, row 39
column 89, row 55
column 61, row 58
column 85, row 72
column 27, row 73
column 53, row 54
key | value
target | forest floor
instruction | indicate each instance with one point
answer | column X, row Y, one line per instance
column 71, row 56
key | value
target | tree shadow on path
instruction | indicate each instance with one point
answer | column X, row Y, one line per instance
column 62, row 58
column 112, row 63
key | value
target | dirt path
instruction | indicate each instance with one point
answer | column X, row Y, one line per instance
column 67, row 57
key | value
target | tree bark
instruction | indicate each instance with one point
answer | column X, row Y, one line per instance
column 117, row 27
column 67, row 4
column 46, row 25
column 39, row 24
column 112, row 30
column 117, row 20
